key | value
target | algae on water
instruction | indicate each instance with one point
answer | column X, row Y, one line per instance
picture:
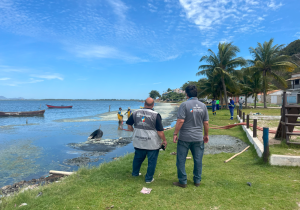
column 18, row 161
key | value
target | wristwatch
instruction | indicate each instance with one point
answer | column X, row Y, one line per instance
column 174, row 134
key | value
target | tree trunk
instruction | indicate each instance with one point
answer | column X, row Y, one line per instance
column 225, row 93
column 265, row 87
column 245, row 101
column 255, row 98
column 221, row 100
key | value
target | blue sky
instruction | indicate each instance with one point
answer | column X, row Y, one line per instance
column 126, row 48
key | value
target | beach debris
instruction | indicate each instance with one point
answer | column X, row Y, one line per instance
column 110, row 207
column 30, row 187
column 5, row 187
column 23, row 204
column 188, row 158
column 40, row 193
column 236, row 155
column 60, row 172
column 257, row 113
column 173, row 153
column 249, row 183
column 146, row 190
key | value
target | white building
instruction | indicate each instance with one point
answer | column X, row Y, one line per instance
column 294, row 96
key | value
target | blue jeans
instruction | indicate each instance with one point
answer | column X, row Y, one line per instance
column 197, row 149
column 139, row 157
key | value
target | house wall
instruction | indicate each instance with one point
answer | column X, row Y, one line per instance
column 268, row 98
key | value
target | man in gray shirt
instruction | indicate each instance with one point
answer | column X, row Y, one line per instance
column 191, row 117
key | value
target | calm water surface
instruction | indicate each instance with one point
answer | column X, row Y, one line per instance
column 30, row 150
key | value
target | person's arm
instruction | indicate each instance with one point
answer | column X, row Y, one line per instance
column 178, row 126
column 130, row 122
column 206, row 128
column 160, row 129
column 181, row 114
column 162, row 136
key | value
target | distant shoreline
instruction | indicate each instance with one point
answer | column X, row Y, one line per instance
column 139, row 100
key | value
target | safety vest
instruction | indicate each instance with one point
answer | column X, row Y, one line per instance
column 145, row 134
column 129, row 113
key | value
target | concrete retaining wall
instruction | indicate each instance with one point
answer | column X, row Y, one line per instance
column 276, row 160
column 257, row 144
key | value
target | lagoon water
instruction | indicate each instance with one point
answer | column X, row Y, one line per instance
column 30, row 150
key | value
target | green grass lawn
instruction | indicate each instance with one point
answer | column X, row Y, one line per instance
column 268, row 105
column 223, row 186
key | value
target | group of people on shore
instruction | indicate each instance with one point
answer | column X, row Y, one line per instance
column 215, row 106
column 191, row 132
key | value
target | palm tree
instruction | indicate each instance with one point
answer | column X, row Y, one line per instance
column 268, row 61
column 223, row 64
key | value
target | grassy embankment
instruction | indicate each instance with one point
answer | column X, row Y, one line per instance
column 223, row 186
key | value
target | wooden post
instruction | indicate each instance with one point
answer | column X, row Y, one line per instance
column 237, row 111
column 255, row 128
column 266, row 144
column 247, row 121
column 243, row 116
column 240, row 114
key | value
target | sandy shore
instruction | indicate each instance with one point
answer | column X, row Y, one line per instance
column 166, row 111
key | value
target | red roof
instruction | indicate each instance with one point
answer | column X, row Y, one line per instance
column 269, row 92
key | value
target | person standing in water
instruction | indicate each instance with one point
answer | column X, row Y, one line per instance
column 128, row 113
column 120, row 116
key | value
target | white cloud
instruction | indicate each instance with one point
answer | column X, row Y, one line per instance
column 119, row 8
column 209, row 14
column 5, row 78
column 48, row 76
column 276, row 20
column 297, row 35
column 171, row 57
column 157, row 83
column 97, row 51
column 272, row 4
column 11, row 69
column 17, row 83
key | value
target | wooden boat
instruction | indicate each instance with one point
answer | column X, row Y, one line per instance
column 58, row 107
column 32, row 113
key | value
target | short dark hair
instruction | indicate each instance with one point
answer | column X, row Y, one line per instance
column 191, row 91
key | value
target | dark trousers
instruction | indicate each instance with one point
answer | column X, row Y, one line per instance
column 231, row 112
column 218, row 106
column 139, row 157
column 197, row 149
column 213, row 107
